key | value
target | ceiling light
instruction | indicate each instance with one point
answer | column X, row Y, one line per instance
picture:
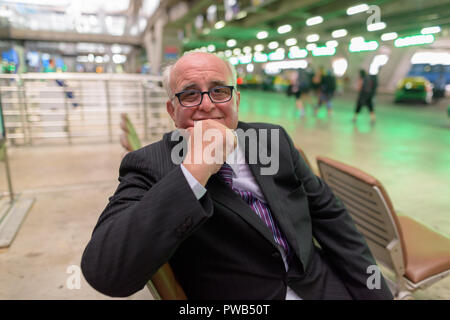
column 262, row 34
column 245, row 59
column 431, row 57
column 376, row 26
column 312, row 38
column 273, row 45
column 260, row 57
column 284, row 28
column 259, row 47
column 430, row 30
column 358, row 46
column 414, row 40
column 231, row 43
column 323, row 51
column 357, row 39
column 291, row 42
column 314, row 20
column 332, row 43
column 311, row 46
column 233, row 60
column 297, row 53
column 339, row 33
column 389, row 36
column 357, row 9
column 276, row 56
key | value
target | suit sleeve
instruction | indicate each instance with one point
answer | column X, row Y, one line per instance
column 342, row 244
column 141, row 227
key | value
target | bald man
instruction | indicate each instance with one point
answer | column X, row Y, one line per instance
column 204, row 200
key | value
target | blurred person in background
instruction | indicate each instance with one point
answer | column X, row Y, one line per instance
column 317, row 80
column 326, row 91
column 300, row 87
column 367, row 85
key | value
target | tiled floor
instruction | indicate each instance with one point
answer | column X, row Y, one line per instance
column 407, row 150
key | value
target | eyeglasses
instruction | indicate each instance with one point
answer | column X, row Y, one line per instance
column 193, row 98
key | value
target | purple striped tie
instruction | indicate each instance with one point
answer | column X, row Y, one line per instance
column 259, row 207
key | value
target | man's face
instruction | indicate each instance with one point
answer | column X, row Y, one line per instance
column 202, row 71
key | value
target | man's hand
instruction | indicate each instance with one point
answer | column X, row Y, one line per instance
column 210, row 142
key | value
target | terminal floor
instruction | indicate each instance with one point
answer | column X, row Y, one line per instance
column 407, row 150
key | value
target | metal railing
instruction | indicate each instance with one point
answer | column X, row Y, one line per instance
column 78, row 107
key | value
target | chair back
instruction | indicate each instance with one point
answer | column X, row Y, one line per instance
column 164, row 286
column 128, row 131
column 370, row 208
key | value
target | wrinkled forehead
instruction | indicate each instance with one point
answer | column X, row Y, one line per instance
column 199, row 63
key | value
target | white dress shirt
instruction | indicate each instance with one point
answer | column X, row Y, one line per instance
column 242, row 179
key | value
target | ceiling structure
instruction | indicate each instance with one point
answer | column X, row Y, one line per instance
column 405, row 17
column 102, row 21
column 190, row 26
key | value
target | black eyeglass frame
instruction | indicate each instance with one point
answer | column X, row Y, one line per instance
column 178, row 94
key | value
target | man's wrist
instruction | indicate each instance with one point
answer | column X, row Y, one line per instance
column 199, row 172
column 198, row 190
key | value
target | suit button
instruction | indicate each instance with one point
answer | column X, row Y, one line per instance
column 276, row 254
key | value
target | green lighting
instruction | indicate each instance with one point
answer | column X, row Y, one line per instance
column 359, row 46
column 233, row 60
column 414, row 40
column 259, row 57
column 297, row 53
column 324, row 51
column 245, row 59
column 276, row 56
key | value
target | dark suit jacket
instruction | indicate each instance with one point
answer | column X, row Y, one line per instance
column 217, row 246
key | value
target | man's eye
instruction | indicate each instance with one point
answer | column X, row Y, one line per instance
column 218, row 90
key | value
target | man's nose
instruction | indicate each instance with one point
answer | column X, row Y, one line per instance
column 207, row 105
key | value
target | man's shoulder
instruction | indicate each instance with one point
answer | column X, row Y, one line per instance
column 149, row 148
column 155, row 152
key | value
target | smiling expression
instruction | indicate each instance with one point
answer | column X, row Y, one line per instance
column 202, row 71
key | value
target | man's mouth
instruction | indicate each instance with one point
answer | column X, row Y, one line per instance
column 206, row 118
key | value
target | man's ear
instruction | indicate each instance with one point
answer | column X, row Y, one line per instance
column 238, row 100
column 170, row 109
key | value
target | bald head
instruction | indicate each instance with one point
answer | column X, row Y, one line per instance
column 194, row 60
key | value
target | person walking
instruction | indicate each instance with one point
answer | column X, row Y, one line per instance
column 326, row 92
column 367, row 88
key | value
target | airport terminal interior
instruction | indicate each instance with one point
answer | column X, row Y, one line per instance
column 81, row 85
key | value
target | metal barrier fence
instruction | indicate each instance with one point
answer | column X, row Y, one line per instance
column 53, row 107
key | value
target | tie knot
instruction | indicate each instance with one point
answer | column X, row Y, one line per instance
column 226, row 173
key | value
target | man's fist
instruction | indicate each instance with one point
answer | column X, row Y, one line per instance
column 210, row 142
